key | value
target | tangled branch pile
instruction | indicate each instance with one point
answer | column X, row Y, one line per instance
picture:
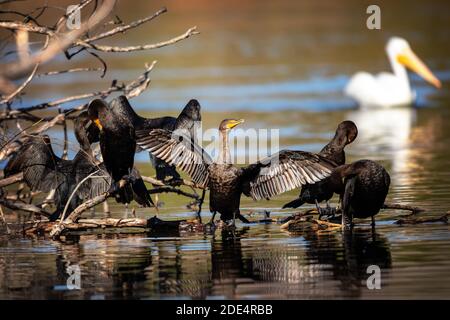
column 58, row 39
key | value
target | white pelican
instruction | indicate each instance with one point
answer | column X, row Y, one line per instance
column 390, row 89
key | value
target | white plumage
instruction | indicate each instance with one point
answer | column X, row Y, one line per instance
column 386, row 90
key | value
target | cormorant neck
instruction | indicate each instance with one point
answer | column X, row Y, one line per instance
column 334, row 150
column 224, row 150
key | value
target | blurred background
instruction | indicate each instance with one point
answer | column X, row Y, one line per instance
column 260, row 55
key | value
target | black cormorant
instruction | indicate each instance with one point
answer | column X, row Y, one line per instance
column 323, row 190
column 279, row 173
column 188, row 120
column 365, row 187
column 117, row 144
column 44, row 171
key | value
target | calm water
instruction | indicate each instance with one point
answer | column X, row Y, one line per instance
column 278, row 66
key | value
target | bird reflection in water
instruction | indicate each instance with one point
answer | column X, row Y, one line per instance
column 333, row 265
column 230, row 269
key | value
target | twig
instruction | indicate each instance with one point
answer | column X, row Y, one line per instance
column 57, row 72
column 190, row 32
column 17, row 205
column 132, row 89
column 178, row 183
column 123, row 29
column 19, row 89
column 58, row 44
column 173, row 190
column 11, row 179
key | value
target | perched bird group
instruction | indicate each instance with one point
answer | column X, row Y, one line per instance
column 172, row 142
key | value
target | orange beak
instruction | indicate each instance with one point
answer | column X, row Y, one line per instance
column 98, row 124
column 409, row 59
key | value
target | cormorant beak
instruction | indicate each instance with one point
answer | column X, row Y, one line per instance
column 409, row 59
column 233, row 123
column 98, row 124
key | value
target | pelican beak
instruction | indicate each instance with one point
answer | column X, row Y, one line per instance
column 233, row 123
column 409, row 59
column 98, row 124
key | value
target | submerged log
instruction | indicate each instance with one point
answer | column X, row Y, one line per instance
column 397, row 206
column 443, row 218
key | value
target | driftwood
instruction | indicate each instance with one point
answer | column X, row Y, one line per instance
column 129, row 225
column 443, row 218
column 397, row 206
column 308, row 223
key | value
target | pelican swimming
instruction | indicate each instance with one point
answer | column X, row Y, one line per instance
column 390, row 89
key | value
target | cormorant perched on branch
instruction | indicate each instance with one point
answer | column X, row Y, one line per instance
column 279, row 173
column 44, row 171
column 365, row 187
column 188, row 120
column 345, row 134
column 117, row 144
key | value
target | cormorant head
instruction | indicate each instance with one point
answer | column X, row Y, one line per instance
column 96, row 107
column 346, row 132
column 85, row 130
column 229, row 124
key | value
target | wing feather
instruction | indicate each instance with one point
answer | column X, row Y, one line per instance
column 285, row 171
column 177, row 149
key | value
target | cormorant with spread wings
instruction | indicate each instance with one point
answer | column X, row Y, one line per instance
column 279, row 173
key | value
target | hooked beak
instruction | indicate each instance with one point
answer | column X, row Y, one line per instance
column 233, row 123
column 409, row 59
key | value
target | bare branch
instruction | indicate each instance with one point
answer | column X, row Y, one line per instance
column 123, row 29
column 58, row 44
column 17, row 205
column 11, row 179
column 11, row 96
column 57, row 72
column 190, row 32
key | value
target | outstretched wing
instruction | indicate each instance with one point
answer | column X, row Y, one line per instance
column 99, row 182
column 177, row 149
column 284, row 171
column 42, row 169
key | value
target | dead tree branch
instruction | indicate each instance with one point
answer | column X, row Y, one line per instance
column 11, row 180
column 18, row 205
